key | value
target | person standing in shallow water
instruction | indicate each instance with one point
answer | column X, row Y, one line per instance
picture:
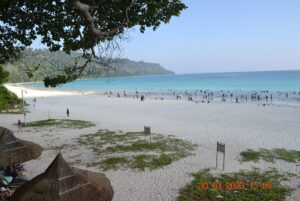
column 68, row 112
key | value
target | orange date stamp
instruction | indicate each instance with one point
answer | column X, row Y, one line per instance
column 235, row 185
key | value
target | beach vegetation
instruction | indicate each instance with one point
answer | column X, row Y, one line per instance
column 110, row 163
column 243, row 185
column 141, row 151
column 250, row 155
column 271, row 155
column 62, row 123
column 9, row 102
column 144, row 161
column 3, row 75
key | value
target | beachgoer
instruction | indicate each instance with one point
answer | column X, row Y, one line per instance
column 142, row 98
column 15, row 170
column 68, row 112
column 271, row 97
column 19, row 124
column 19, row 170
column 223, row 98
column 34, row 101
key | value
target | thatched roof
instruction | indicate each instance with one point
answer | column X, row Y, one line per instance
column 60, row 182
column 14, row 150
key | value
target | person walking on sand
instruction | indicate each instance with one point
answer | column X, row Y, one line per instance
column 34, row 101
column 68, row 112
column 19, row 124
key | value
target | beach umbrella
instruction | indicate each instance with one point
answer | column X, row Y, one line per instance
column 14, row 150
column 61, row 182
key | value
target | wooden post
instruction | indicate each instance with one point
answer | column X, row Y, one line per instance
column 217, row 160
column 147, row 131
column 220, row 148
column 224, row 160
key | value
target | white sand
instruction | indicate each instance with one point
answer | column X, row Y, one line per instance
column 239, row 126
column 27, row 92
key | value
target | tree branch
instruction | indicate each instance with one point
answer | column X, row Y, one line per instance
column 84, row 11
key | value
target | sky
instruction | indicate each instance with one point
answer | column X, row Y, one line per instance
column 223, row 36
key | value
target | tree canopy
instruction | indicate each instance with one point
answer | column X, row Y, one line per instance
column 76, row 25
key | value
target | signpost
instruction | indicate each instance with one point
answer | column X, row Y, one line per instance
column 221, row 149
column 147, row 131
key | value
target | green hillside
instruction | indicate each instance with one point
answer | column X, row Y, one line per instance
column 50, row 64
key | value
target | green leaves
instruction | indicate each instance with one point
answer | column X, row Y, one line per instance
column 62, row 28
column 55, row 22
column 55, row 81
column 3, row 75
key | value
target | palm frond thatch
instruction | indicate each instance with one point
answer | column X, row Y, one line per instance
column 14, row 150
column 60, row 182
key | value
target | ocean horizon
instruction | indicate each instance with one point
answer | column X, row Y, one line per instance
column 228, row 81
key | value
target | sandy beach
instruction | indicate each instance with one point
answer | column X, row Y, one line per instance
column 240, row 126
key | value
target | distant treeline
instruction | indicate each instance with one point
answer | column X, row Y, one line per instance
column 36, row 64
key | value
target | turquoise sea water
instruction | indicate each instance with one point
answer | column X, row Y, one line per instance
column 241, row 81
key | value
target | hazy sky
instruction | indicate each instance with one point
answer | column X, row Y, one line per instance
column 224, row 35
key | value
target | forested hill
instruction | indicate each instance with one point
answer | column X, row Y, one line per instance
column 45, row 61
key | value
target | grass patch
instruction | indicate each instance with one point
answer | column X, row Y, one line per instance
column 271, row 155
column 141, row 152
column 111, row 163
column 142, row 162
column 287, row 155
column 225, row 186
column 62, row 123
column 250, row 155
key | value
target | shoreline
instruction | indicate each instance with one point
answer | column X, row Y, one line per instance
column 198, row 96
